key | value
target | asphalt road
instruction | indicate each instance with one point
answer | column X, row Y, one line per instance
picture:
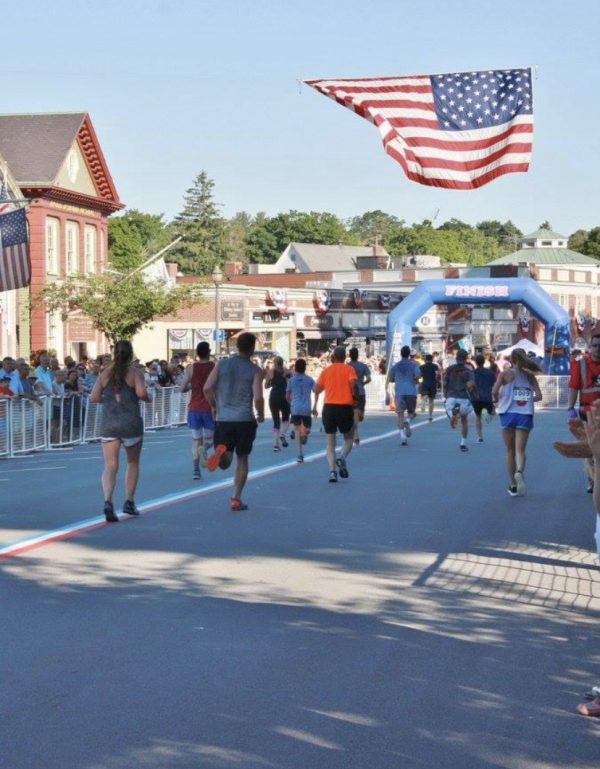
column 413, row 616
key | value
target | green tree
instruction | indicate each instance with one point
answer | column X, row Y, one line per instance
column 119, row 307
column 507, row 235
column 592, row 244
column 133, row 237
column 372, row 226
column 578, row 241
column 455, row 224
column 301, row 227
column 236, row 231
column 203, row 230
column 261, row 246
column 545, row 226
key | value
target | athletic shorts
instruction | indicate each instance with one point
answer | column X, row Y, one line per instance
column 406, row 403
column 236, row 435
column 511, row 421
column 337, row 417
column 465, row 405
column 300, row 419
column 199, row 421
column 478, row 407
column 429, row 391
column 128, row 443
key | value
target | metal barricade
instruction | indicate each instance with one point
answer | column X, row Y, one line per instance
column 91, row 422
column 5, row 420
column 65, row 420
column 157, row 413
column 555, row 391
column 28, row 425
column 179, row 406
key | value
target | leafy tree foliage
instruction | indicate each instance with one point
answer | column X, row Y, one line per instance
column 507, row 235
column 134, row 237
column 117, row 307
column 578, row 241
column 373, row 225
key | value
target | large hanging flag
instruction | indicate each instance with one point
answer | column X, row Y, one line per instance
column 457, row 130
column 15, row 270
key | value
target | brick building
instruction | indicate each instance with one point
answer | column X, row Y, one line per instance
column 59, row 166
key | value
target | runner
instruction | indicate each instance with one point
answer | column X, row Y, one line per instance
column 231, row 388
column 429, row 378
column 363, row 377
column 584, row 381
column 199, row 416
column 338, row 382
column 482, row 397
column 119, row 388
column 515, row 392
column 459, row 384
column 405, row 374
column 299, row 389
column 276, row 380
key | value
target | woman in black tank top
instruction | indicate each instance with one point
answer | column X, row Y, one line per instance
column 276, row 380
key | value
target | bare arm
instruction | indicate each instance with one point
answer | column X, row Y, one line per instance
column 537, row 393
column 96, row 394
column 497, row 385
column 140, row 385
column 186, row 382
column 257, row 392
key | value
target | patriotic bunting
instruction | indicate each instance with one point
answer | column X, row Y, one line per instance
column 384, row 301
column 279, row 298
column 358, row 297
column 525, row 324
column 580, row 320
column 323, row 302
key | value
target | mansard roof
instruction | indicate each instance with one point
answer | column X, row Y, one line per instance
column 35, row 147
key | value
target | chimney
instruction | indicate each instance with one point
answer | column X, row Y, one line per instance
column 375, row 246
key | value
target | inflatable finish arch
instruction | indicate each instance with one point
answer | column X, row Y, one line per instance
column 484, row 291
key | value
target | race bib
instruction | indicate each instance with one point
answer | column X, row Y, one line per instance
column 521, row 394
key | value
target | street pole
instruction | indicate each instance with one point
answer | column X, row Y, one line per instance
column 217, row 278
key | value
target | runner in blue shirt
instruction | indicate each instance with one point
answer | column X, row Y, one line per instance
column 299, row 389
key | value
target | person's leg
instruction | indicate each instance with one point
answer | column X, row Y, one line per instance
column 110, row 450
column 464, row 430
column 431, row 400
column 330, row 451
column 508, row 436
column 478, row 425
column 275, row 416
column 348, row 440
column 132, row 471
column 240, row 475
column 521, row 438
column 196, row 450
column 285, row 421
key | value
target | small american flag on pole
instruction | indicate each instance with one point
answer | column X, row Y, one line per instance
column 15, row 270
column 458, row 130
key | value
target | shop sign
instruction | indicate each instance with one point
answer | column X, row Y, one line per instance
column 270, row 317
column 318, row 321
column 232, row 309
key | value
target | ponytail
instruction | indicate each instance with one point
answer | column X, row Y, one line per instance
column 122, row 357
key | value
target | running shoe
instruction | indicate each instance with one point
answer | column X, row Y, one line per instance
column 292, row 434
column 109, row 513
column 300, row 459
column 342, row 467
column 333, row 477
column 129, row 508
column 404, row 442
column 283, row 440
column 212, row 462
column 276, row 448
column 486, row 415
column 455, row 415
column 357, row 441
column 464, row 447
column 237, row 505
column 590, row 487
column 407, row 428
column 520, row 484
column 196, row 476
column 512, row 490
column 479, row 440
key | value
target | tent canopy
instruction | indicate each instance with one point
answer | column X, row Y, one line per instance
column 523, row 344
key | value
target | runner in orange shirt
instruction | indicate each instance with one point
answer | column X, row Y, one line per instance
column 340, row 385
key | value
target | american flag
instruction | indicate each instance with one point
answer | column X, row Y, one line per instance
column 4, row 197
column 458, row 130
column 15, row 270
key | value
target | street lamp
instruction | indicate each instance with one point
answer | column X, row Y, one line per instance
column 217, row 279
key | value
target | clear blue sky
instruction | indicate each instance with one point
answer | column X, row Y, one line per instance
column 179, row 86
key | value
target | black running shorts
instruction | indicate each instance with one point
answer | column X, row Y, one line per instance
column 236, row 435
column 336, row 417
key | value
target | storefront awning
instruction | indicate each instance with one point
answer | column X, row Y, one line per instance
column 311, row 333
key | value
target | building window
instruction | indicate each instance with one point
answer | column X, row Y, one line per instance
column 546, row 242
column 72, row 247
column 90, row 249
column 52, row 244
column 563, row 300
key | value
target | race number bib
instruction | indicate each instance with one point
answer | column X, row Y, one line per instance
column 522, row 394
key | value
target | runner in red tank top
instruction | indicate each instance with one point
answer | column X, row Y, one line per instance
column 200, row 417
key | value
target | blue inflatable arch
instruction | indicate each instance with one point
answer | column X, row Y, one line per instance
column 484, row 291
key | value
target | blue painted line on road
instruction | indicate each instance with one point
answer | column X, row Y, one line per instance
column 25, row 545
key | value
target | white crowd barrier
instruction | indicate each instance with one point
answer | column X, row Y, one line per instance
column 59, row 422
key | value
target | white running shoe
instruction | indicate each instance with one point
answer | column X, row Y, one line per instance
column 520, row 484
